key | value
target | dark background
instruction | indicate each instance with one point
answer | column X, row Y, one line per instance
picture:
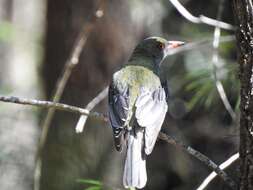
column 36, row 39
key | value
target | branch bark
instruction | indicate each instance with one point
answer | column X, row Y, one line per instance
column 212, row 175
column 243, row 11
column 201, row 157
column 55, row 105
column 82, row 120
column 162, row 136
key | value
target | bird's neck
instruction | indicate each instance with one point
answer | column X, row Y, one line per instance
column 146, row 61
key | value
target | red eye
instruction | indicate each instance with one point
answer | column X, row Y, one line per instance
column 161, row 46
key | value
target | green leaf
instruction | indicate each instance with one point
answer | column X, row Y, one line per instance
column 203, row 73
column 209, row 99
column 93, row 188
column 89, row 181
column 195, row 84
column 200, row 95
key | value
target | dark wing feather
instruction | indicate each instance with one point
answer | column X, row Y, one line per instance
column 118, row 112
column 151, row 108
column 166, row 88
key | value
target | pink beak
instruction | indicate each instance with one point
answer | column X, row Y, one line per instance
column 174, row 44
column 171, row 45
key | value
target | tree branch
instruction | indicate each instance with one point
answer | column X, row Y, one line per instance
column 201, row 157
column 201, row 19
column 72, row 62
column 48, row 105
column 163, row 136
column 215, row 64
column 69, row 65
column 212, row 175
column 61, row 83
column 82, row 120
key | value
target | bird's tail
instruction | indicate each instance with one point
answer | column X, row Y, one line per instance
column 135, row 174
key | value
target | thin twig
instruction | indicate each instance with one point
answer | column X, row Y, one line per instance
column 61, row 83
column 48, row 105
column 70, row 64
column 82, row 120
column 215, row 62
column 212, row 175
column 201, row 19
column 200, row 157
column 163, row 136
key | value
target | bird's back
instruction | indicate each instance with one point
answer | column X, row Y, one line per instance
column 135, row 78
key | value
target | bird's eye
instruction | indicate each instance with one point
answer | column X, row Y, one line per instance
column 161, row 46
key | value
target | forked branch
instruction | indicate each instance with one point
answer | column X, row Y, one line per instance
column 163, row 136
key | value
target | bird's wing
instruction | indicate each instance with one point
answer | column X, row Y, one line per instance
column 118, row 112
column 166, row 88
column 151, row 108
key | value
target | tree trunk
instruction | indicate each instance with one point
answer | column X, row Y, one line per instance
column 243, row 11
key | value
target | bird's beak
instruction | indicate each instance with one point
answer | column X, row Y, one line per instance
column 171, row 45
column 174, row 44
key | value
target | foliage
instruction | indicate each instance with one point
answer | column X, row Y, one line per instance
column 92, row 184
column 6, row 31
column 201, row 85
column 200, row 77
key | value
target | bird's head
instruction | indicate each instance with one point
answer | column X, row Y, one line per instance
column 156, row 48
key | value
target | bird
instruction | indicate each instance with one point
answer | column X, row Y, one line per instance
column 137, row 101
